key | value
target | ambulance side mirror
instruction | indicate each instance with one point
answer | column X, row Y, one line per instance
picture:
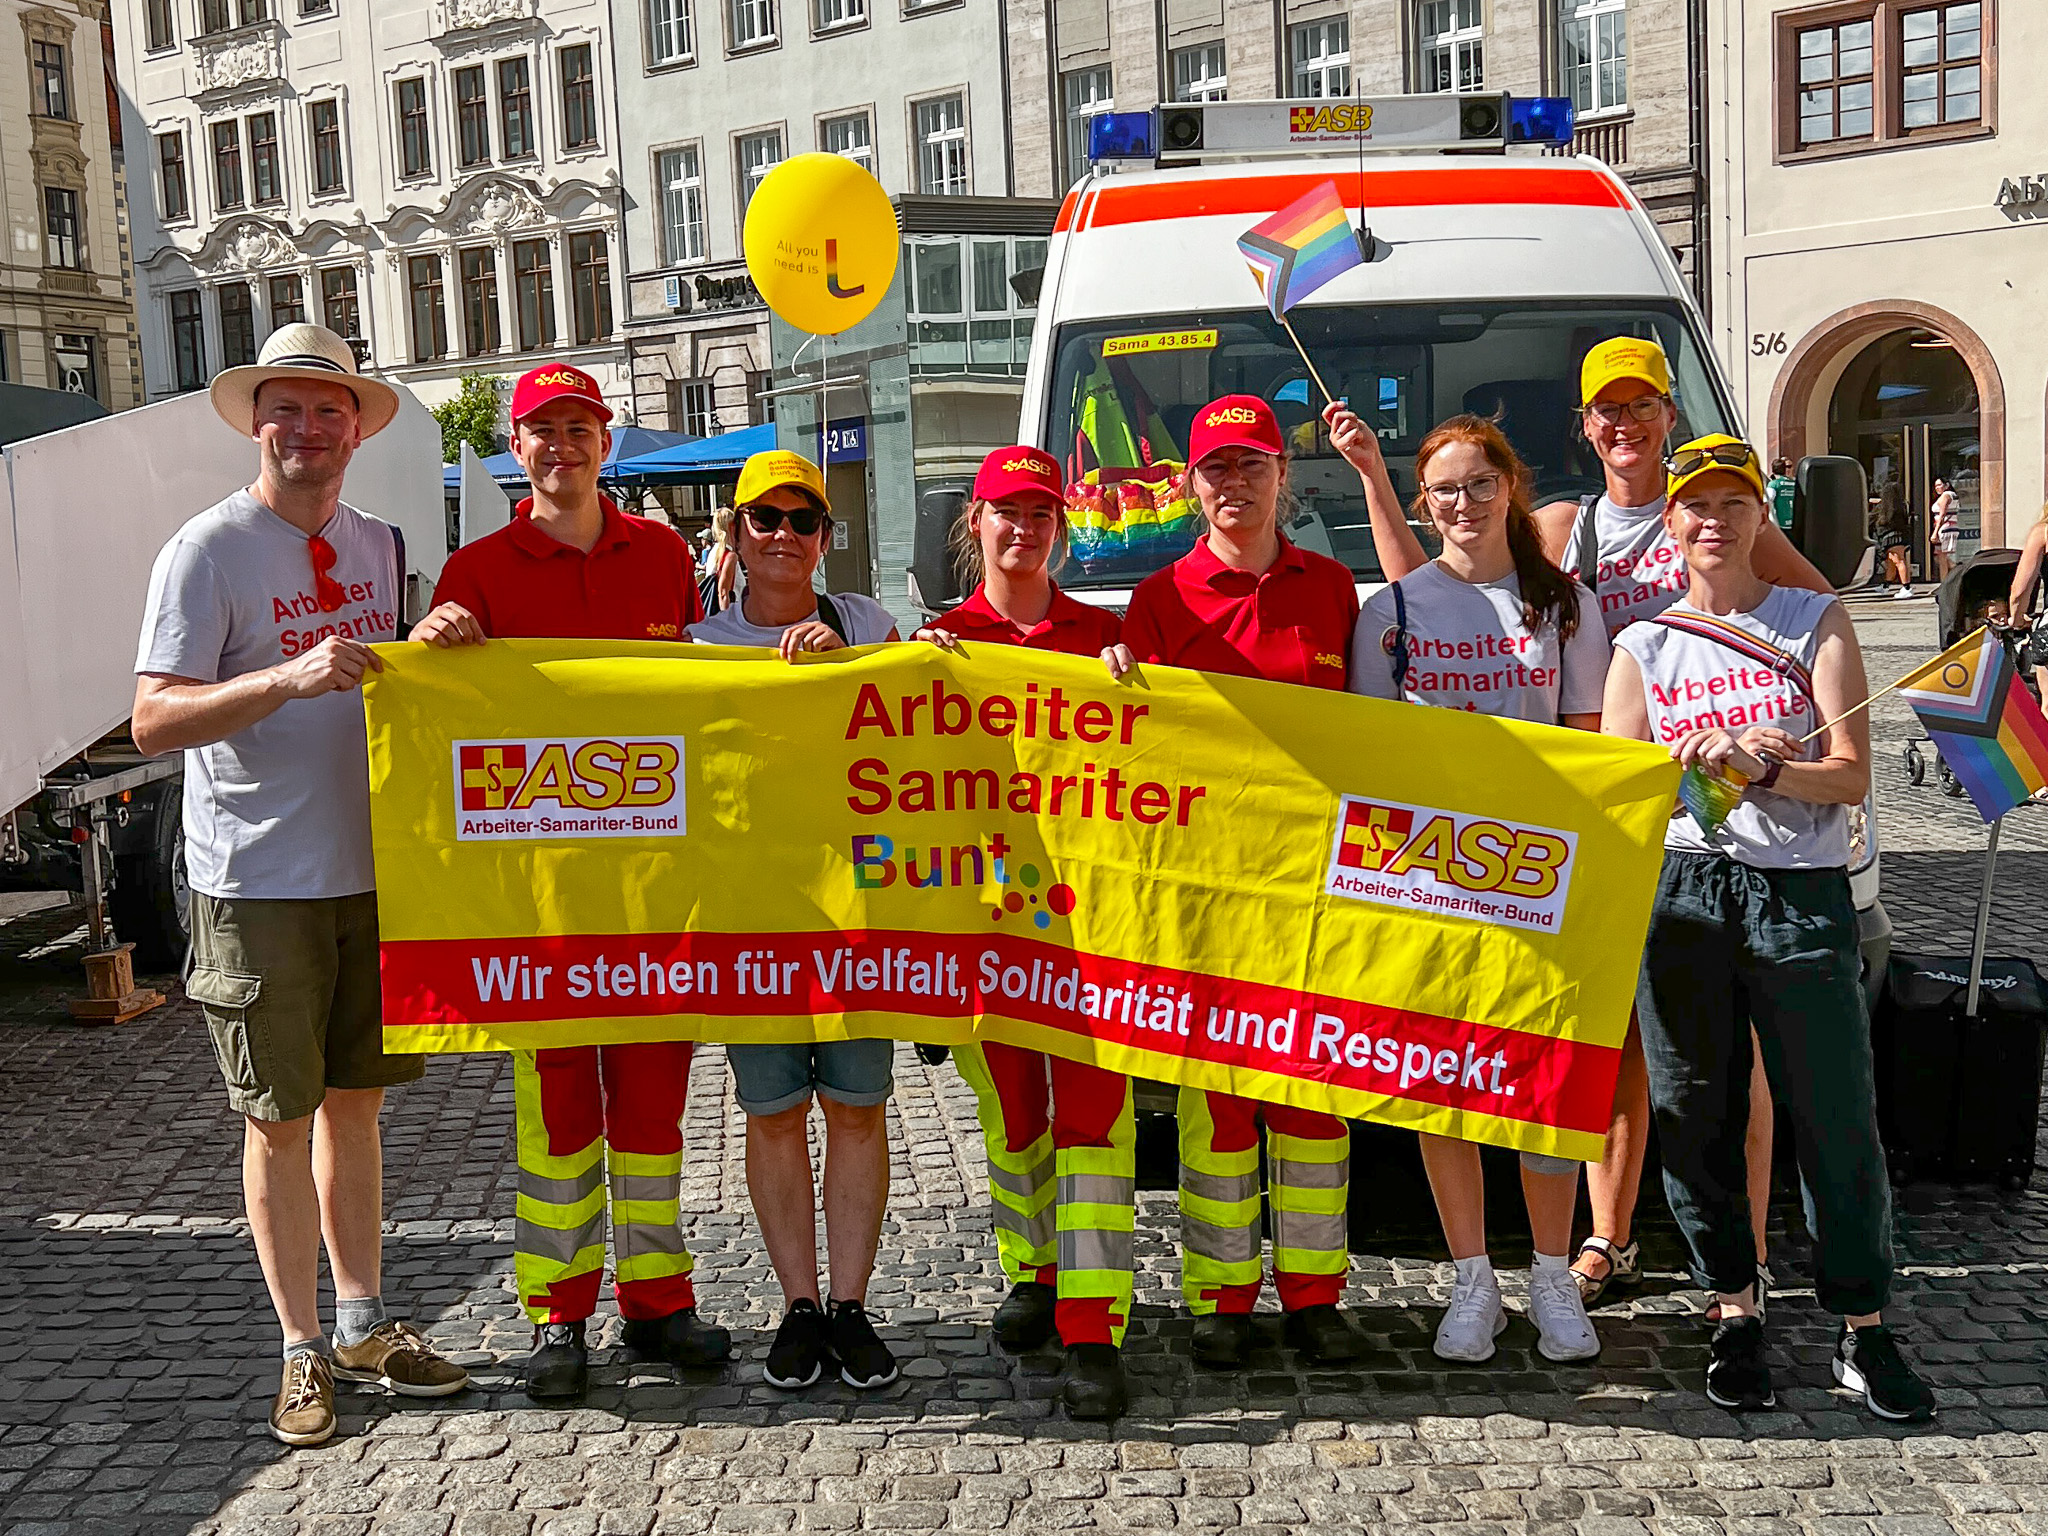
column 1830, row 516
column 934, row 588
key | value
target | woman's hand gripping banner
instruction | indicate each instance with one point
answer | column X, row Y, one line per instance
column 1409, row 915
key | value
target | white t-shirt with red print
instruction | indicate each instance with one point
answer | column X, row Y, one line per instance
column 1469, row 649
column 1640, row 569
column 1691, row 682
column 280, row 810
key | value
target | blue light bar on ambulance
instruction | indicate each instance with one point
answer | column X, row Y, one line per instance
column 1337, row 124
column 1120, row 136
column 1540, row 120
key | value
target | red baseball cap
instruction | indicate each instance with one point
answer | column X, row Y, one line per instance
column 1235, row 421
column 1016, row 471
column 557, row 381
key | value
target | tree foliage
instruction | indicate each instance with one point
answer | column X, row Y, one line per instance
column 471, row 417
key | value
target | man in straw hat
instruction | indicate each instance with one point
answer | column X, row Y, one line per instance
column 254, row 641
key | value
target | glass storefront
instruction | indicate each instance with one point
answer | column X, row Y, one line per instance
column 1906, row 408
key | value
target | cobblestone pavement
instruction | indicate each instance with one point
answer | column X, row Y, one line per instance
column 137, row 1355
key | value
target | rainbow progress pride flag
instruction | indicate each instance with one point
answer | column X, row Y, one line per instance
column 1985, row 724
column 1301, row 247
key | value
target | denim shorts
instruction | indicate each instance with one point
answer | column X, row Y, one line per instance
column 767, row 1079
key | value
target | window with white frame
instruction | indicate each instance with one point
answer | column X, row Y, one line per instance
column 753, row 22
column 682, row 204
column 942, row 146
column 671, row 36
column 759, row 153
column 1198, row 73
column 690, row 407
column 1595, row 55
column 851, row 134
column 1083, row 93
column 833, row 14
column 1453, row 45
column 1319, row 57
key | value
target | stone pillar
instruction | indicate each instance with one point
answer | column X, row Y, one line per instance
column 508, row 317
column 565, row 314
column 451, row 291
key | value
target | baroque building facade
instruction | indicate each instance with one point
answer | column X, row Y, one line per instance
column 437, row 181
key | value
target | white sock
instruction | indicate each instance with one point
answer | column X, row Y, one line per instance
column 1477, row 1270
column 1549, row 1261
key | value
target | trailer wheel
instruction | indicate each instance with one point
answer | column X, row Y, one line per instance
column 1916, row 765
column 1950, row 784
column 151, row 902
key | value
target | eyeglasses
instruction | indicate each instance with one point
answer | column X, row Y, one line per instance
column 803, row 521
column 1480, row 488
column 1722, row 455
column 1642, row 408
column 328, row 592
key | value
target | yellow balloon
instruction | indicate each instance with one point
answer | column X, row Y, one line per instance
column 821, row 242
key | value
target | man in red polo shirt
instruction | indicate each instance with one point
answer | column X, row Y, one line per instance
column 571, row 565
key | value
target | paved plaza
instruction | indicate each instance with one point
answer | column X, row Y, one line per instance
column 138, row 1354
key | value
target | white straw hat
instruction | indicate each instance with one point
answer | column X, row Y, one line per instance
column 302, row 351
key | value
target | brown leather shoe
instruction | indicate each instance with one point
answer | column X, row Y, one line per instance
column 304, row 1411
column 397, row 1356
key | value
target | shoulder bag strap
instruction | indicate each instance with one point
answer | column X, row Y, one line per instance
column 1401, row 660
column 829, row 615
column 1743, row 643
column 398, row 550
column 1585, row 546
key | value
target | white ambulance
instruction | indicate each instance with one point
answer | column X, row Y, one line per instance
column 1493, row 265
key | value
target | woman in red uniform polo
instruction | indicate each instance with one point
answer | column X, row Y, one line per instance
column 1246, row 601
column 1047, row 1119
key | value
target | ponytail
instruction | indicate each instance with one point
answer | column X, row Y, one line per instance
column 1548, row 595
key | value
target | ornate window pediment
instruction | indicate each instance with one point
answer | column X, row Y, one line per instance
column 464, row 24
column 247, row 59
column 246, row 245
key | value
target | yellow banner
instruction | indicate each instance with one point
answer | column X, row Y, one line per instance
column 1402, row 914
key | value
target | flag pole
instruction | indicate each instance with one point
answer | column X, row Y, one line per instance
column 1983, row 921
column 1328, row 398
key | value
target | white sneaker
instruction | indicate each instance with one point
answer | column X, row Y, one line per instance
column 1472, row 1322
column 1902, row 594
column 1564, row 1331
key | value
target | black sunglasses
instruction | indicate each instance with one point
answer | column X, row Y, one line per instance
column 803, row 522
column 1726, row 455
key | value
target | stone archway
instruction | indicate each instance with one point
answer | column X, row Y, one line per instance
column 1826, row 349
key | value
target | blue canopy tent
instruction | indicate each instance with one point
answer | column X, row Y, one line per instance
column 703, row 462
column 627, row 443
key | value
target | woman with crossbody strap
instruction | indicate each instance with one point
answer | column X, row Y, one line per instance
column 1493, row 627
column 1753, row 922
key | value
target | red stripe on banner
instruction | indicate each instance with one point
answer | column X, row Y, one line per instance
column 1363, row 1047
column 1200, row 198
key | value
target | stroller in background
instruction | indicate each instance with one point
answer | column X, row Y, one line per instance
column 1960, row 603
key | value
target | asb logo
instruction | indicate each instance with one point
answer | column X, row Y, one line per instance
column 568, row 376
column 574, row 787
column 1232, row 416
column 1426, row 860
column 1028, row 466
column 1344, row 117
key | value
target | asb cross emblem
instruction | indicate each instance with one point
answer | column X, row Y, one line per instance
column 490, row 775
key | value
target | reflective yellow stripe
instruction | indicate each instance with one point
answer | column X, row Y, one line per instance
column 1310, row 1261
column 560, row 1230
column 644, row 1165
column 1020, row 1184
column 1313, row 1202
column 1303, row 1149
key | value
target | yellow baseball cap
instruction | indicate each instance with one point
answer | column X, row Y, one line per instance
column 763, row 472
column 1624, row 357
column 1715, row 451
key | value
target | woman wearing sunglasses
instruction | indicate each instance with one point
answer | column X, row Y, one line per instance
column 1248, row 602
column 1753, row 923
column 782, row 527
column 1491, row 594
column 1061, row 1135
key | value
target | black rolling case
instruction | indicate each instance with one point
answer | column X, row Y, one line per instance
column 1959, row 1098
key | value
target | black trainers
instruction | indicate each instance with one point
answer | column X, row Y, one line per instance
column 559, row 1365
column 1025, row 1319
column 1867, row 1360
column 1323, row 1336
column 1738, row 1376
column 1093, row 1385
column 1223, row 1339
column 682, row 1338
column 797, row 1357
column 864, row 1360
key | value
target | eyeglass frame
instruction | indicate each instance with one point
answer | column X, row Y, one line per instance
column 753, row 512
column 1630, row 408
column 1434, row 493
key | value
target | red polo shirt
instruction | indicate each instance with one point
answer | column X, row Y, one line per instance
column 1291, row 624
column 1069, row 625
column 637, row 583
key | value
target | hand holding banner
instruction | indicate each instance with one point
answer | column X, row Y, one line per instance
column 1204, row 879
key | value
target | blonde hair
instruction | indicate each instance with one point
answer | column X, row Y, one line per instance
column 721, row 528
column 964, row 545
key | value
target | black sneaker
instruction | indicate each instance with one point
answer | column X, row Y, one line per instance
column 1323, row 1336
column 559, row 1365
column 797, row 1357
column 1223, row 1340
column 1093, row 1384
column 1867, row 1360
column 1738, row 1376
column 864, row 1360
column 1025, row 1319
column 682, row 1338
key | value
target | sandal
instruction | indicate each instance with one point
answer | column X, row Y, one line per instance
column 1623, row 1266
column 1764, row 1282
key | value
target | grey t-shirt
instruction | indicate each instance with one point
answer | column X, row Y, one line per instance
column 1639, row 570
column 279, row 810
column 1469, row 649
column 866, row 620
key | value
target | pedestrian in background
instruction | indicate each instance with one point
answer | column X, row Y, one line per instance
column 1753, row 923
column 599, row 1127
column 1945, row 524
column 1895, row 552
column 1782, row 491
column 721, row 571
column 1061, row 1136
column 781, row 531
column 255, row 640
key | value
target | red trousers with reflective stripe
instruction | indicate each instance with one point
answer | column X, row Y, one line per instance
column 634, row 1097
column 1237, row 1128
column 1084, row 1106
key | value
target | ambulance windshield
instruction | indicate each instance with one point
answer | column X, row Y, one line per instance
column 1124, row 393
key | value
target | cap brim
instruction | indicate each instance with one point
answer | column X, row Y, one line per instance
column 1210, row 448
column 233, row 393
column 1675, row 487
column 1620, row 376
column 602, row 412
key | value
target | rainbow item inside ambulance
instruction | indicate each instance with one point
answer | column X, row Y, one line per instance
column 1133, row 524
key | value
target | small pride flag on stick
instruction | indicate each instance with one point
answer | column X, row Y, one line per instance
column 1299, row 249
column 1984, row 722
